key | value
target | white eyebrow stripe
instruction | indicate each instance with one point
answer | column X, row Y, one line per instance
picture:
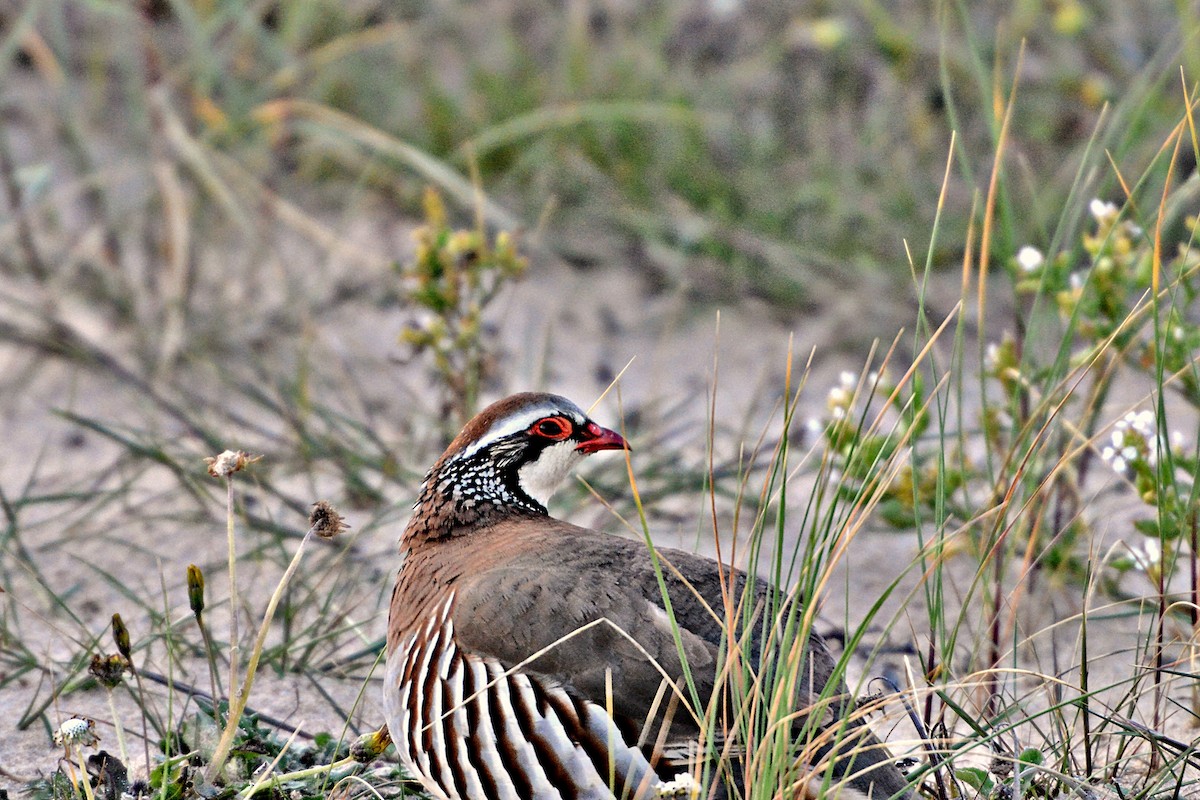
column 507, row 426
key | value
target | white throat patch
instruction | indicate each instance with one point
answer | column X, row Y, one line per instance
column 540, row 478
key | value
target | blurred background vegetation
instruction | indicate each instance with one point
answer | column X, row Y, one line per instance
column 767, row 149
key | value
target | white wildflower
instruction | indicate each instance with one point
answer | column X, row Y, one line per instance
column 1076, row 281
column 1134, row 439
column 1148, row 556
column 1102, row 211
column 683, row 785
column 1030, row 259
column 847, row 380
column 1114, row 456
column 1141, row 421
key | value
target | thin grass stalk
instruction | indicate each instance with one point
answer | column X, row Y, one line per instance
column 169, row 732
column 1089, row 764
column 213, row 673
column 1159, row 434
column 298, row 775
column 112, row 710
column 1194, row 610
column 85, row 780
column 15, row 197
column 121, row 638
column 656, row 562
column 235, row 647
column 262, row 782
column 237, row 704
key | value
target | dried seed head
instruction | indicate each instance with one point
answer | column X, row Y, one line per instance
column 76, row 732
column 121, row 637
column 229, row 462
column 370, row 746
column 195, row 584
column 108, row 670
column 325, row 521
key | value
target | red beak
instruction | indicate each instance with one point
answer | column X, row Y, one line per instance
column 601, row 439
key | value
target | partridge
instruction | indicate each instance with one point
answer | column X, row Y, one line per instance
column 528, row 657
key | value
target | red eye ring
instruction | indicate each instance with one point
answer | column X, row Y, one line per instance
column 556, row 428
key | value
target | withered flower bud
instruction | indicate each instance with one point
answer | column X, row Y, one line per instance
column 195, row 584
column 229, row 462
column 108, row 669
column 370, row 746
column 121, row 637
column 325, row 521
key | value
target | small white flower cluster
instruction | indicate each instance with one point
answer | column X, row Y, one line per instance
column 683, row 785
column 1103, row 211
column 1106, row 213
column 991, row 358
column 1133, row 439
column 1030, row 259
column 841, row 397
column 1147, row 557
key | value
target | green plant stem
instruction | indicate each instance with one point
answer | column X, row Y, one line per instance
column 112, row 709
column 234, row 647
column 214, row 678
column 298, row 775
column 237, row 703
column 141, row 700
column 83, row 774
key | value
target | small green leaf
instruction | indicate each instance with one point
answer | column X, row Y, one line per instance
column 1031, row 755
column 978, row 779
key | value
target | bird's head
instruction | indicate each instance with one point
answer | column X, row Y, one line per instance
column 513, row 455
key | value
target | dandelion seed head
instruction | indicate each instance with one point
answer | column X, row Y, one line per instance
column 229, row 462
column 76, row 731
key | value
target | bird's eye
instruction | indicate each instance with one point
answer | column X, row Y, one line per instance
column 552, row 428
